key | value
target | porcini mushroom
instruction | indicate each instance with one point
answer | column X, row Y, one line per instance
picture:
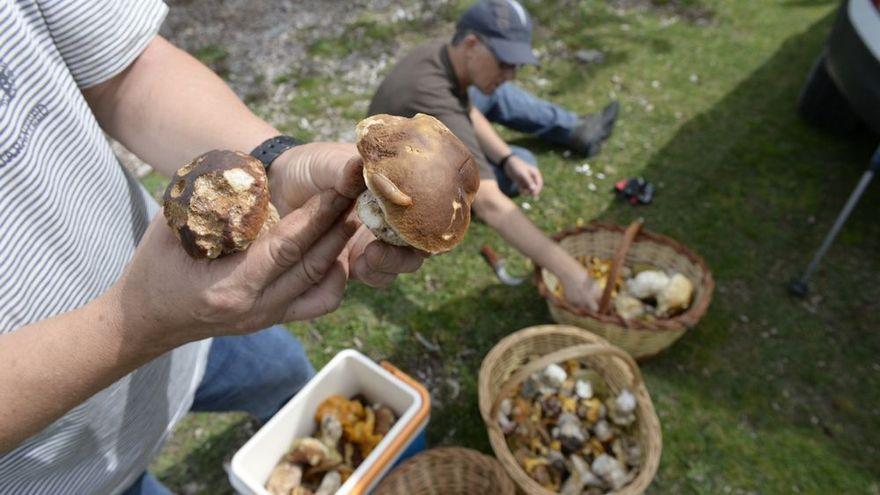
column 219, row 203
column 421, row 181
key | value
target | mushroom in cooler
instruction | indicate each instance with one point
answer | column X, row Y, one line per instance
column 312, row 452
column 219, row 203
column 329, row 484
column 284, row 478
column 421, row 181
column 384, row 420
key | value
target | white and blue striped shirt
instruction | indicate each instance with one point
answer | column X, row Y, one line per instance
column 70, row 218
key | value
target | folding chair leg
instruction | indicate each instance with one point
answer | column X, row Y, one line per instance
column 800, row 287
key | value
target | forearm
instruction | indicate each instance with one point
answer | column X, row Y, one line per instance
column 493, row 146
column 504, row 216
column 167, row 107
column 52, row 365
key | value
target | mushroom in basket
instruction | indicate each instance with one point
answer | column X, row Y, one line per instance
column 570, row 433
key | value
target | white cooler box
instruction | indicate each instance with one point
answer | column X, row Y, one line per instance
column 349, row 373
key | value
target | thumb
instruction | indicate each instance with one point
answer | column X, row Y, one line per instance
column 291, row 238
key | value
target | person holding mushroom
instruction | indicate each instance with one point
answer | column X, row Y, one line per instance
column 492, row 40
column 109, row 331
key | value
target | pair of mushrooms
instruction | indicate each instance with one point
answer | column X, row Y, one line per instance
column 421, row 181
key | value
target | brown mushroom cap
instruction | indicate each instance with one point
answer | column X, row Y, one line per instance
column 219, row 203
column 423, row 177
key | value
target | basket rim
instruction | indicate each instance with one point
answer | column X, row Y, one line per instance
column 425, row 460
column 687, row 319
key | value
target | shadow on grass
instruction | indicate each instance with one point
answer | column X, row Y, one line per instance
column 471, row 324
column 753, row 190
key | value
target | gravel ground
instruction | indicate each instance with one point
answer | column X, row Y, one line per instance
column 255, row 44
column 266, row 40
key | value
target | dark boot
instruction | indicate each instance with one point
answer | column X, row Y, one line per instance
column 593, row 129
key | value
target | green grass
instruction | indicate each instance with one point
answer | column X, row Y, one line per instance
column 767, row 394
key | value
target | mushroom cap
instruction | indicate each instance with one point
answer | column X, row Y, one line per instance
column 219, row 203
column 423, row 177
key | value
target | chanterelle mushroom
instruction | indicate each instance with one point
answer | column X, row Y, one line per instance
column 420, row 180
column 219, row 203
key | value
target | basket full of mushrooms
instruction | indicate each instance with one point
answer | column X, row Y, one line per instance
column 568, row 413
column 655, row 288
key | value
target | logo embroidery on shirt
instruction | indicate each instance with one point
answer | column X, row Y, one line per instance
column 7, row 85
column 35, row 116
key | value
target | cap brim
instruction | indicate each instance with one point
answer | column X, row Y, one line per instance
column 512, row 52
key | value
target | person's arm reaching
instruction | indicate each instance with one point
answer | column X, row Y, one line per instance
column 503, row 215
column 528, row 178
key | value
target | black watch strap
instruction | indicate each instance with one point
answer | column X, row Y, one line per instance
column 502, row 162
column 272, row 148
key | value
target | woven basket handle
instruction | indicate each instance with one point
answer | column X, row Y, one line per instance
column 617, row 263
column 574, row 352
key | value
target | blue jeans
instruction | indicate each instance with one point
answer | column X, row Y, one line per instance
column 521, row 111
column 256, row 373
column 505, row 183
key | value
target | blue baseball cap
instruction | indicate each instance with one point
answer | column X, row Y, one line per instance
column 504, row 26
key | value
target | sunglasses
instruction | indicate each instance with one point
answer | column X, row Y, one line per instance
column 501, row 65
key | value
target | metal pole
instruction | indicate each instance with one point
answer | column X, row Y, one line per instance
column 800, row 287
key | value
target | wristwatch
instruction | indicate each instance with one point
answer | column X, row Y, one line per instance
column 270, row 149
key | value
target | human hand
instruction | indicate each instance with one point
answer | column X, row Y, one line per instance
column 306, row 170
column 377, row 263
column 582, row 291
column 291, row 272
column 527, row 177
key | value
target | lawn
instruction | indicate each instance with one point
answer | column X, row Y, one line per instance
column 767, row 394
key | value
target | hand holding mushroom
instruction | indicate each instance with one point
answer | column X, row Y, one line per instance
column 303, row 171
column 296, row 269
column 421, row 181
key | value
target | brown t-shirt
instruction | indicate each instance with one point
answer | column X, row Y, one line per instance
column 424, row 82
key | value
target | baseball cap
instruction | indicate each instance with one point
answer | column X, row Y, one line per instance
column 504, row 26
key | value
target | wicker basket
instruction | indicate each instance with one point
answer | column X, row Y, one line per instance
column 503, row 370
column 448, row 471
column 629, row 246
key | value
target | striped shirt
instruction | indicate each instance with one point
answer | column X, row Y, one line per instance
column 70, row 218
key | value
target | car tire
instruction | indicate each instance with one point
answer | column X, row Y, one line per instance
column 822, row 105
